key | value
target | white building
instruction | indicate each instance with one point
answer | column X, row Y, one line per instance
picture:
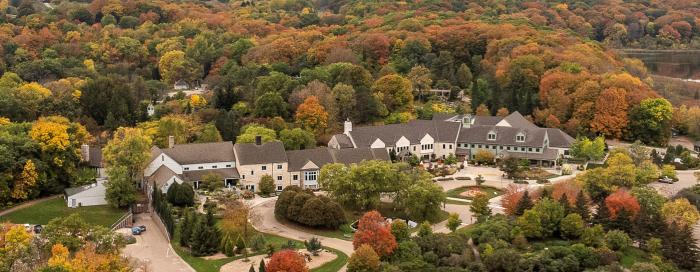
column 88, row 195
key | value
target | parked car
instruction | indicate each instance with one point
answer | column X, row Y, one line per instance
column 38, row 228
column 138, row 230
column 666, row 179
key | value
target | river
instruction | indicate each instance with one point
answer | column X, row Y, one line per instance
column 683, row 64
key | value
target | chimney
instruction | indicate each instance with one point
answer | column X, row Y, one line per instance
column 258, row 140
column 171, row 141
column 347, row 126
column 85, row 152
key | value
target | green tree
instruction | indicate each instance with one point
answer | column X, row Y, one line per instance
column 267, row 185
column 587, row 149
column 250, row 131
column 572, row 226
column 524, row 204
column 650, row 121
column 420, row 78
column 129, row 148
column 424, row 229
column 480, row 207
column 422, row 199
column 270, row 104
column 593, row 236
column 453, row 222
column 542, row 220
column 120, row 188
column 581, row 206
column 394, row 91
column 209, row 134
column 464, row 76
column 617, row 240
column 400, row 230
column 360, row 185
column 297, row 138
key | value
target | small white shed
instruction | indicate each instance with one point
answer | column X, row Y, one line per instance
column 87, row 195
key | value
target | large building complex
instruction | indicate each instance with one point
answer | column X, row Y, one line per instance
column 461, row 135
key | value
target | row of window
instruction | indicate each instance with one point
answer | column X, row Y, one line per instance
column 518, row 138
column 212, row 167
column 497, row 147
column 264, row 167
column 423, row 147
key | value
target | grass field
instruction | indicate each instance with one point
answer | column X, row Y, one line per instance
column 42, row 213
column 490, row 191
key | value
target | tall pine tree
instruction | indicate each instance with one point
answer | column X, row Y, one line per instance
column 581, row 206
column 679, row 246
column 525, row 203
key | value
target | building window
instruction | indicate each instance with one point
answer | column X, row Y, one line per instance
column 162, row 157
column 414, row 148
column 538, row 150
column 264, row 167
column 443, row 146
column 187, row 168
column 310, row 176
column 491, row 136
column 522, row 149
column 295, row 177
column 473, row 145
column 252, row 173
column 450, row 146
column 529, row 149
column 426, row 146
column 279, row 188
column 508, row 148
column 228, row 165
column 566, row 152
column 214, row 166
column 200, row 167
column 479, row 146
column 243, row 177
column 279, row 178
column 279, row 167
column 520, row 138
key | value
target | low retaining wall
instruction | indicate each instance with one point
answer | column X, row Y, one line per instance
column 159, row 223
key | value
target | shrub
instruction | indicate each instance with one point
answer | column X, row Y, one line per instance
column 313, row 245
column 180, row 194
column 572, row 226
column 267, row 185
column 288, row 261
column 363, row 259
column 246, row 194
column 304, row 207
column 617, row 239
column 484, row 157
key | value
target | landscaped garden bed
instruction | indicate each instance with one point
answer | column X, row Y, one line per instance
column 468, row 192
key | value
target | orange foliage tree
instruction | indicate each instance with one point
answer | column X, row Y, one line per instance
column 286, row 261
column 622, row 200
column 312, row 116
column 512, row 196
column 570, row 187
column 374, row 231
column 611, row 113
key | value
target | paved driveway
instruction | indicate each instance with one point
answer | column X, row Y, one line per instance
column 686, row 179
column 153, row 249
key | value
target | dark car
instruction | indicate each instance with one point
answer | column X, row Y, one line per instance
column 38, row 228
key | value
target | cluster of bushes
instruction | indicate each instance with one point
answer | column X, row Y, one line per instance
column 687, row 160
column 181, row 195
column 303, row 207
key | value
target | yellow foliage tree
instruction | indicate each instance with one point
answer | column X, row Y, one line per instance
column 681, row 212
column 312, row 116
column 59, row 257
column 197, row 101
column 59, row 137
column 26, row 181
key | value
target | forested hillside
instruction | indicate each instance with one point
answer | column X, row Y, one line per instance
column 311, row 64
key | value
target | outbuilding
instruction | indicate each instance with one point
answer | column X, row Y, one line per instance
column 87, row 195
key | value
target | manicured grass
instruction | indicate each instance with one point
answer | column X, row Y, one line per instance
column 488, row 190
column 344, row 232
column 335, row 264
column 42, row 213
column 455, row 202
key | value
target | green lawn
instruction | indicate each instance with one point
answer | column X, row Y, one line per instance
column 490, row 191
column 42, row 213
column 335, row 264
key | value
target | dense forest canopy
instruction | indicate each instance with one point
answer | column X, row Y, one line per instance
column 305, row 66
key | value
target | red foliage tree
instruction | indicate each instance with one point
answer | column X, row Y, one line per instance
column 622, row 200
column 286, row 261
column 512, row 196
column 374, row 231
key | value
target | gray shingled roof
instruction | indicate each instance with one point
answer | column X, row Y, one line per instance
column 517, row 120
column 162, row 175
column 222, row 172
column 504, row 136
column 323, row 155
column 95, row 159
column 270, row 152
column 343, row 140
column 547, row 154
column 486, row 120
column 414, row 131
column 198, row 153
column 558, row 138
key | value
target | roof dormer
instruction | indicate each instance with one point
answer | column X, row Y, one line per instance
column 491, row 136
column 520, row 137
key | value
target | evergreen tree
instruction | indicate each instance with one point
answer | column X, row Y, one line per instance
column 679, row 246
column 581, row 207
column 602, row 215
column 261, row 268
column 251, row 268
column 623, row 221
column 546, row 193
column 185, row 227
column 564, row 201
column 525, row 203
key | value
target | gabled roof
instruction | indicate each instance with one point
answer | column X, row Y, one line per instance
column 343, row 141
column 76, row 190
column 270, row 152
column 558, row 138
column 198, row 152
column 162, row 175
column 323, row 155
column 517, row 120
column 199, row 174
column 414, row 131
column 504, row 135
